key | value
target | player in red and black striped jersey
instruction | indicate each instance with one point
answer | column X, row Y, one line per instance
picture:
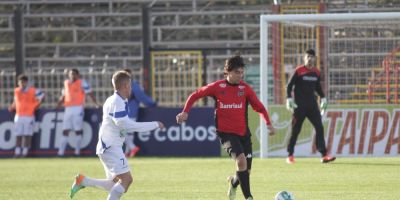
column 306, row 81
column 232, row 97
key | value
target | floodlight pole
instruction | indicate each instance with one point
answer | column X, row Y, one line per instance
column 19, row 42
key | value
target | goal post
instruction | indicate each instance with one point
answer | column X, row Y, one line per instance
column 350, row 48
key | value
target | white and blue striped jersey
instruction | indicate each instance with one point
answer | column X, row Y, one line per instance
column 116, row 124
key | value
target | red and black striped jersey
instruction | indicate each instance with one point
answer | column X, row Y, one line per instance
column 231, row 104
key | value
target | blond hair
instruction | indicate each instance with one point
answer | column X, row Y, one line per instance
column 119, row 78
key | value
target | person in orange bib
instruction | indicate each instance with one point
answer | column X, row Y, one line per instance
column 26, row 100
column 73, row 98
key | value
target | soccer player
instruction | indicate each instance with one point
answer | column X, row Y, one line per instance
column 73, row 97
column 306, row 81
column 137, row 96
column 232, row 96
column 116, row 124
column 26, row 100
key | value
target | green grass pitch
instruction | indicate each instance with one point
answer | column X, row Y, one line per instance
column 205, row 178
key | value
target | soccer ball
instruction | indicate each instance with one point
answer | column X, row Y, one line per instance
column 284, row 195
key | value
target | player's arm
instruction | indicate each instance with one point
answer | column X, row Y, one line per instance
column 257, row 105
column 290, row 104
column 290, row 85
column 120, row 118
column 88, row 91
column 142, row 96
column 318, row 88
column 320, row 92
column 91, row 95
column 39, row 95
column 11, row 107
column 199, row 93
column 60, row 101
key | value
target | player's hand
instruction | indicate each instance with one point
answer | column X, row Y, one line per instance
column 58, row 106
column 11, row 108
column 290, row 105
column 181, row 117
column 161, row 126
column 323, row 105
column 271, row 130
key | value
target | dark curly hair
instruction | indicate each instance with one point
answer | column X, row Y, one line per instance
column 310, row 52
column 22, row 77
column 233, row 62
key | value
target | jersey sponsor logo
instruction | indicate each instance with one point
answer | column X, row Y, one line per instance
column 310, row 78
column 230, row 106
column 222, row 85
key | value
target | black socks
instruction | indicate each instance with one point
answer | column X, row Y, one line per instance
column 244, row 181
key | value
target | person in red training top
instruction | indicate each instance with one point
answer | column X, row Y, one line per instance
column 306, row 82
column 232, row 96
column 73, row 97
column 26, row 100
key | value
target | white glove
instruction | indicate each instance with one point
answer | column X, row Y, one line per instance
column 323, row 105
column 290, row 105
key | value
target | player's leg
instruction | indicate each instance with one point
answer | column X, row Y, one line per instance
column 114, row 162
column 315, row 118
column 78, row 127
column 122, row 186
column 233, row 146
column 28, row 133
column 81, row 181
column 18, row 132
column 27, row 145
column 18, row 146
column 297, row 122
column 63, row 143
column 116, row 166
column 67, row 127
column 244, row 174
column 233, row 181
column 79, row 136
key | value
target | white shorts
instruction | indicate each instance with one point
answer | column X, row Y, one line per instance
column 23, row 125
column 73, row 118
column 114, row 162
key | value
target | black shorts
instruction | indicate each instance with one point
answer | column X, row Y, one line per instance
column 235, row 145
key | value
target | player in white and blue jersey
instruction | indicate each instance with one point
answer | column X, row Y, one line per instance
column 114, row 127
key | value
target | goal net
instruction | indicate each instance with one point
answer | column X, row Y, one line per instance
column 358, row 55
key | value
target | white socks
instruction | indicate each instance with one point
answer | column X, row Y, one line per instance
column 78, row 145
column 105, row 184
column 25, row 151
column 17, row 151
column 63, row 145
column 116, row 192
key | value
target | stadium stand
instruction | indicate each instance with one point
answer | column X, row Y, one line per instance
column 99, row 36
